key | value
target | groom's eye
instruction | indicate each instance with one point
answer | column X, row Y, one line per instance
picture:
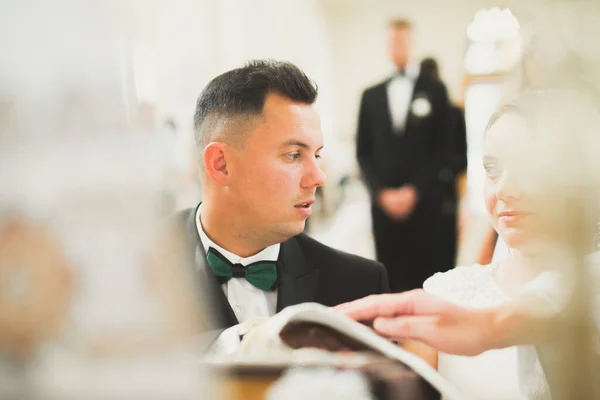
column 293, row 156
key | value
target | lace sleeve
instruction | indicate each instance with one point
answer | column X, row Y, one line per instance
column 472, row 286
column 447, row 285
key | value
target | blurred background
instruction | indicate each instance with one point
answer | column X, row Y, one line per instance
column 169, row 51
column 96, row 107
column 149, row 60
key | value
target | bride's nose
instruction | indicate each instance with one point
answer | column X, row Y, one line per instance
column 509, row 188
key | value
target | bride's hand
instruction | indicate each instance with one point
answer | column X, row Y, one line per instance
column 420, row 316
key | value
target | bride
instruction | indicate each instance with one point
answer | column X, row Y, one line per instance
column 529, row 165
column 537, row 158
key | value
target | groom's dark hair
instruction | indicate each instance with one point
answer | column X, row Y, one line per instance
column 236, row 98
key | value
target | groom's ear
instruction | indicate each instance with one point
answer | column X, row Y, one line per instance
column 215, row 162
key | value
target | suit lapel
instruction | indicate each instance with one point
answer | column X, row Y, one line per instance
column 383, row 94
column 222, row 315
column 416, row 89
column 297, row 279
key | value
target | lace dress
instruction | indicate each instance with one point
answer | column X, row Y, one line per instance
column 504, row 374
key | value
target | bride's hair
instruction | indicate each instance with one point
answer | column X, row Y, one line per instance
column 570, row 123
column 538, row 105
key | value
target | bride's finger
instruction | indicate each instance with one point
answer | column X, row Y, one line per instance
column 419, row 328
column 414, row 302
column 370, row 307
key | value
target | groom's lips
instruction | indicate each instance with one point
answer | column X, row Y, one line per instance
column 305, row 204
column 305, row 207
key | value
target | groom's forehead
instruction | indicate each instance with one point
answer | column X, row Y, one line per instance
column 292, row 123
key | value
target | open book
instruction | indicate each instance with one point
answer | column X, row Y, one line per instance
column 311, row 334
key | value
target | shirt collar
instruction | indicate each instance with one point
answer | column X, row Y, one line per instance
column 412, row 71
column 270, row 253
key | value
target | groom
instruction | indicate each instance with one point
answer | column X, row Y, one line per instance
column 260, row 140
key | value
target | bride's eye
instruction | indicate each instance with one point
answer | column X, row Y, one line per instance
column 493, row 171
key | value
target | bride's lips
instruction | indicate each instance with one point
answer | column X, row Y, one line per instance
column 508, row 216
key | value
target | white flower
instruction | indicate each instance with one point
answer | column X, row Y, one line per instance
column 421, row 107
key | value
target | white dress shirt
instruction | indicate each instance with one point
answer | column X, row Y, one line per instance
column 399, row 92
column 246, row 300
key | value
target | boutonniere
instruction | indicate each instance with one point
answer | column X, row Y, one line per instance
column 421, row 107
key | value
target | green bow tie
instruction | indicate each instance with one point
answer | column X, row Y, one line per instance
column 262, row 274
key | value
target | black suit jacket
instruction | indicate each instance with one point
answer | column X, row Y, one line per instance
column 415, row 156
column 456, row 152
column 308, row 271
column 459, row 140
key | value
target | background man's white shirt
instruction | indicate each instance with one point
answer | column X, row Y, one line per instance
column 399, row 92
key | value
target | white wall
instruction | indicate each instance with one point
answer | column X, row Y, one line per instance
column 185, row 43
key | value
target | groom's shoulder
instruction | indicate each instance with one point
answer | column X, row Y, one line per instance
column 181, row 216
column 177, row 219
column 177, row 222
column 325, row 257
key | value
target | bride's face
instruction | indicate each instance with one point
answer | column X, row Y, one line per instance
column 512, row 183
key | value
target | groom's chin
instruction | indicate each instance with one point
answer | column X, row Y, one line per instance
column 290, row 230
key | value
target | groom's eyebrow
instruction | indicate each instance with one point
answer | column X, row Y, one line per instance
column 295, row 142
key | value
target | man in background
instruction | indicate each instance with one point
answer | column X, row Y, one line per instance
column 400, row 148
